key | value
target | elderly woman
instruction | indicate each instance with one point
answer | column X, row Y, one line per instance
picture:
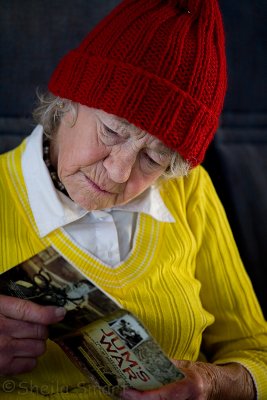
column 111, row 179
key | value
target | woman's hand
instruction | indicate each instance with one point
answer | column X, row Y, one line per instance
column 202, row 381
column 23, row 333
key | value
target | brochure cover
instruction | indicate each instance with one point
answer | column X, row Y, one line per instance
column 106, row 342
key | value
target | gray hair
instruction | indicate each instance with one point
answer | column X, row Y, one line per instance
column 51, row 109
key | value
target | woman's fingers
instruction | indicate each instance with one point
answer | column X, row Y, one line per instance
column 25, row 310
column 23, row 351
column 31, row 349
column 22, row 347
column 21, row 329
column 23, row 333
column 18, row 366
column 190, row 387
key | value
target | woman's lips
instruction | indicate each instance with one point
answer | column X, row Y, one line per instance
column 95, row 186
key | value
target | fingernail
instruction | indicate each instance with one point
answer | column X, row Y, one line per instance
column 60, row 312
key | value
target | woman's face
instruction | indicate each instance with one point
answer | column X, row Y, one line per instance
column 103, row 160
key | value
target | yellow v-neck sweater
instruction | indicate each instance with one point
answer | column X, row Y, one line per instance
column 184, row 280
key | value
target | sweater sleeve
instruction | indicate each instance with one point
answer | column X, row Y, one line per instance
column 239, row 331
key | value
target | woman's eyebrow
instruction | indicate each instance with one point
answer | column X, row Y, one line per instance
column 124, row 124
column 122, row 121
column 160, row 148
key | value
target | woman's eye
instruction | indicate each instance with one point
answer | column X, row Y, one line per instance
column 150, row 160
column 110, row 131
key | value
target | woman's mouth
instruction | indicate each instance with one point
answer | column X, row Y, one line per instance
column 96, row 187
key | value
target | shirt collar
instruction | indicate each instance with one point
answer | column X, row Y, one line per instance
column 149, row 202
column 52, row 209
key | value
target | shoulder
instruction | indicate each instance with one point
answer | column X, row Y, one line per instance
column 191, row 188
column 192, row 197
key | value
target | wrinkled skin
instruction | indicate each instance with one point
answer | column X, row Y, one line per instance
column 103, row 161
column 202, row 381
column 23, row 333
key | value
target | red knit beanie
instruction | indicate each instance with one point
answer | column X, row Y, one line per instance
column 160, row 64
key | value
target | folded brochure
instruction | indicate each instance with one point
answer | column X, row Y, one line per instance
column 106, row 342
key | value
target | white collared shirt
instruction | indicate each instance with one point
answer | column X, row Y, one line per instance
column 107, row 233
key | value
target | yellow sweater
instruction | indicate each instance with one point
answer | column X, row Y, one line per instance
column 185, row 281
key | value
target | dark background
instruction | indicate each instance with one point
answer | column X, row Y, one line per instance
column 34, row 35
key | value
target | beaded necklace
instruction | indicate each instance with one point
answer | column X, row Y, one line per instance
column 53, row 173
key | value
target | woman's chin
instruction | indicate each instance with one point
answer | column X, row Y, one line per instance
column 89, row 203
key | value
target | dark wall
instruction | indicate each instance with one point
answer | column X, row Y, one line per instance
column 237, row 159
column 34, row 35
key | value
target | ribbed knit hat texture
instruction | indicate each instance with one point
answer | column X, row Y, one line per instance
column 160, row 64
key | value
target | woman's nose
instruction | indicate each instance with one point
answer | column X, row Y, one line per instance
column 119, row 165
